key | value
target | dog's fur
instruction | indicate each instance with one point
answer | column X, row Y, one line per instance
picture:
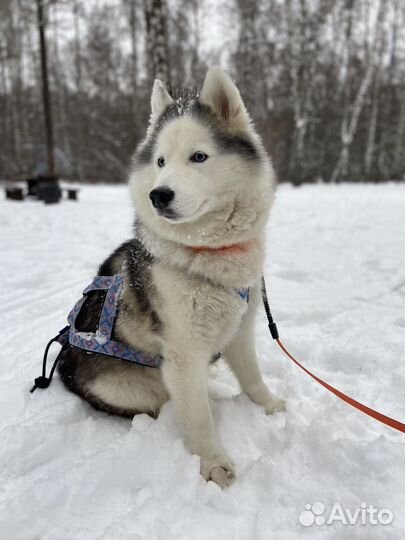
column 178, row 302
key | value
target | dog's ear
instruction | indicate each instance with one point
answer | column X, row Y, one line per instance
column 160, row 99
column 221, row 95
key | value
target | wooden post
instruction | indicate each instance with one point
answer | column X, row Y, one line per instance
column 45, row 90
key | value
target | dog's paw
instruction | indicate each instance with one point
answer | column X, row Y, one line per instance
column 219, row 469
column 274, row 405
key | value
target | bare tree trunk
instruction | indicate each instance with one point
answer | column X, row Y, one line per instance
column 400, row 138
column 78, row 97
column 304, row 46
column 156, row 40
column 352, row 113
column 399, row 152
column 349, row 127
column 61, row 97
column 370, row 148
column 196, row 45
column 5, row 115
column 247, row 52
column 45, row 89
column 131, row 14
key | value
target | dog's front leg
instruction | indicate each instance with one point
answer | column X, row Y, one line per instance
column 186, row 380
column 240, row 354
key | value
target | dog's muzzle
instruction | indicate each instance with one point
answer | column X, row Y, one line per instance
column 161, row 197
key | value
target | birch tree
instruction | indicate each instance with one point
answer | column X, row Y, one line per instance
column 156, row 40
column 352, row 111
column 324, row 80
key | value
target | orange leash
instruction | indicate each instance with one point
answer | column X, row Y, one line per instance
column 391, row 422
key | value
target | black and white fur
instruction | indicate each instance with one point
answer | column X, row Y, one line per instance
column 177, row 302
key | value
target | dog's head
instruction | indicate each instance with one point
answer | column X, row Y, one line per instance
column 201, row 176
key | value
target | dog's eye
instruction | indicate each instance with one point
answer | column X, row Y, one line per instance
column 198, row 157
column 161, row 162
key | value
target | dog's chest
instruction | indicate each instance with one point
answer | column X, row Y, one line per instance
column 208, row 315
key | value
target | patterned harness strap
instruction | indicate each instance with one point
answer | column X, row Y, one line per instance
column 101, row 341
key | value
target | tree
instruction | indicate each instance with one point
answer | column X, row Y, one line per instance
column 45, row 89
column 323, row 80
column 156, row 40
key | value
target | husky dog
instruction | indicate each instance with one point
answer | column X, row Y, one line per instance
column 202, row 186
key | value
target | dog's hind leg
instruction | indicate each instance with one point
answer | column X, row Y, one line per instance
column 240, row 354
column 111, row 385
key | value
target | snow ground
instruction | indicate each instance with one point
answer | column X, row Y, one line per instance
column 335, row 275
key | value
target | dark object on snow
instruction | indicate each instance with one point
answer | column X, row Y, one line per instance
column 42, row 187
column 15, row 194
column 48, row 190
column 72, row 194
column 32, row 184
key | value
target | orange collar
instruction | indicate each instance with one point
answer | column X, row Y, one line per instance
column 243, row 247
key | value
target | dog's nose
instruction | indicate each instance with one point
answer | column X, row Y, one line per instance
column 161, row 197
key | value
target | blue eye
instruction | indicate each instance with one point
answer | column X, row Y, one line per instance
column 198, row 157
column 161, row 162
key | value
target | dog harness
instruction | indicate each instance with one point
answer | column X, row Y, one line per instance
column 101, row 341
